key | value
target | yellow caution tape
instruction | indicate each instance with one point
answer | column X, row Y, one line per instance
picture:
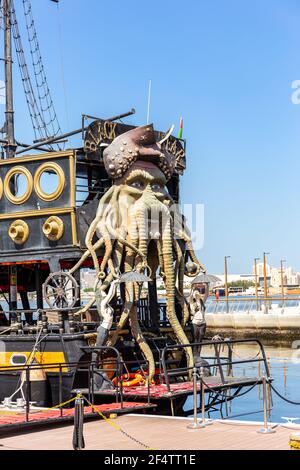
column 64, row 403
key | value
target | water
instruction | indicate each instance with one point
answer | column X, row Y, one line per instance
column 286, row 374
column 32, row 302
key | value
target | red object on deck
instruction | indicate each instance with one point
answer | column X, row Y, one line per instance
column 42, row 416
column 159, row 391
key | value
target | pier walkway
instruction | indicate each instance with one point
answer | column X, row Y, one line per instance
column 157, row 432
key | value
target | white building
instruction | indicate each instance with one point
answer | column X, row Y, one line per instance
column 87, row 279
column 260, row 270
column 288, row 277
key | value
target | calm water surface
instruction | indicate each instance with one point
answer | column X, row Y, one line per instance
column 286, row 374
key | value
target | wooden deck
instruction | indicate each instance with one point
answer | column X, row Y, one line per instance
column 15, row 421
column 159, row 433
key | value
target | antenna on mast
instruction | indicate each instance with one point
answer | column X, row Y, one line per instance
column 149, row 101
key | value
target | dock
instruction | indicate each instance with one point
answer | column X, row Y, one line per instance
column 14, row 421
column 274, row 325
column 155, row 433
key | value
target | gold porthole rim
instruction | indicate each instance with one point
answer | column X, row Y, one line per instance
column 1, row 188
column 61, row 181
column 25, row 172
column 61, row 228
column 26, row 231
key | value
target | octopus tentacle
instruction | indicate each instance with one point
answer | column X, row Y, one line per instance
column 86, row 254
column 108, row 252
column 109, row 278
column 182, row 231
column 101, row 227
column 128, row 266
column 139, row 337
column 160, row 257
column 170, row 294
column 179, row 291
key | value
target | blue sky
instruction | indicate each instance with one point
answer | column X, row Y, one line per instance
column 227, row 68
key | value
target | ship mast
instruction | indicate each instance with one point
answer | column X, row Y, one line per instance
column 11, row 145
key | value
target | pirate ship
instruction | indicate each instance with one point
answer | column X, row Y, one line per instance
column 113, row 208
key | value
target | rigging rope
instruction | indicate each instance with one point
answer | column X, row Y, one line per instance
column 38, row 123
column 29, row 362
column 45, row 100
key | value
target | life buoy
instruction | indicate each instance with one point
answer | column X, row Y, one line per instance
column 131, row 380
column 136, row 378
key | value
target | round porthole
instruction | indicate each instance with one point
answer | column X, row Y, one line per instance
column 18, row 359
column 18, row 185
column 49, row 181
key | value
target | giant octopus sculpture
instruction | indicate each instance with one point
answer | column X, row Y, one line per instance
column 142, row 231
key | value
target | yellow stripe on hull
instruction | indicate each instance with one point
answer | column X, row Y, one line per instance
column 45, row 357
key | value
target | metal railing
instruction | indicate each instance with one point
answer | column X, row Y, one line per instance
column 246, row 305
column 110, row 365
column 219, row 361
column 24, row 373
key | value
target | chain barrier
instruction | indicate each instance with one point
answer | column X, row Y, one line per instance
column 281, row 396
column 116, row 426
column 79, row 396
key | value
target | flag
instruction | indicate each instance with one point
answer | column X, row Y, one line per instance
column 180, row 128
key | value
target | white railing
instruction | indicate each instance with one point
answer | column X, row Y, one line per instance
column 252, row 305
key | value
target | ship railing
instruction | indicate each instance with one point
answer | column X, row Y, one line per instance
column 246, row 305
column 65, row 319
column 218, row 361
column 122, row 369
column 114, row 365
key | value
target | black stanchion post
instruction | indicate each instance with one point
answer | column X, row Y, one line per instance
column 89, row 382
column 78, row 439
column 93, row 385
column 27, row 393
column 60, row 389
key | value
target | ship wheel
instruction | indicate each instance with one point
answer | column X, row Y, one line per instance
column 61, row 290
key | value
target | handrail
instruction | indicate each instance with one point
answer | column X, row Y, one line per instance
column 89, row 366
column 248, row 305
column 217, row 356
column 253, row 298
column 72, row 367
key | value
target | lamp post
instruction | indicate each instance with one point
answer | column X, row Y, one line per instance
column 282, row 279
column 265, row 282
column 226, row 280
column 256, row 287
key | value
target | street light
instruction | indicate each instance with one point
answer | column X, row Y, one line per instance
column 265, row 282
column 282, row 280
column 226, row 281
column 255, row 276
